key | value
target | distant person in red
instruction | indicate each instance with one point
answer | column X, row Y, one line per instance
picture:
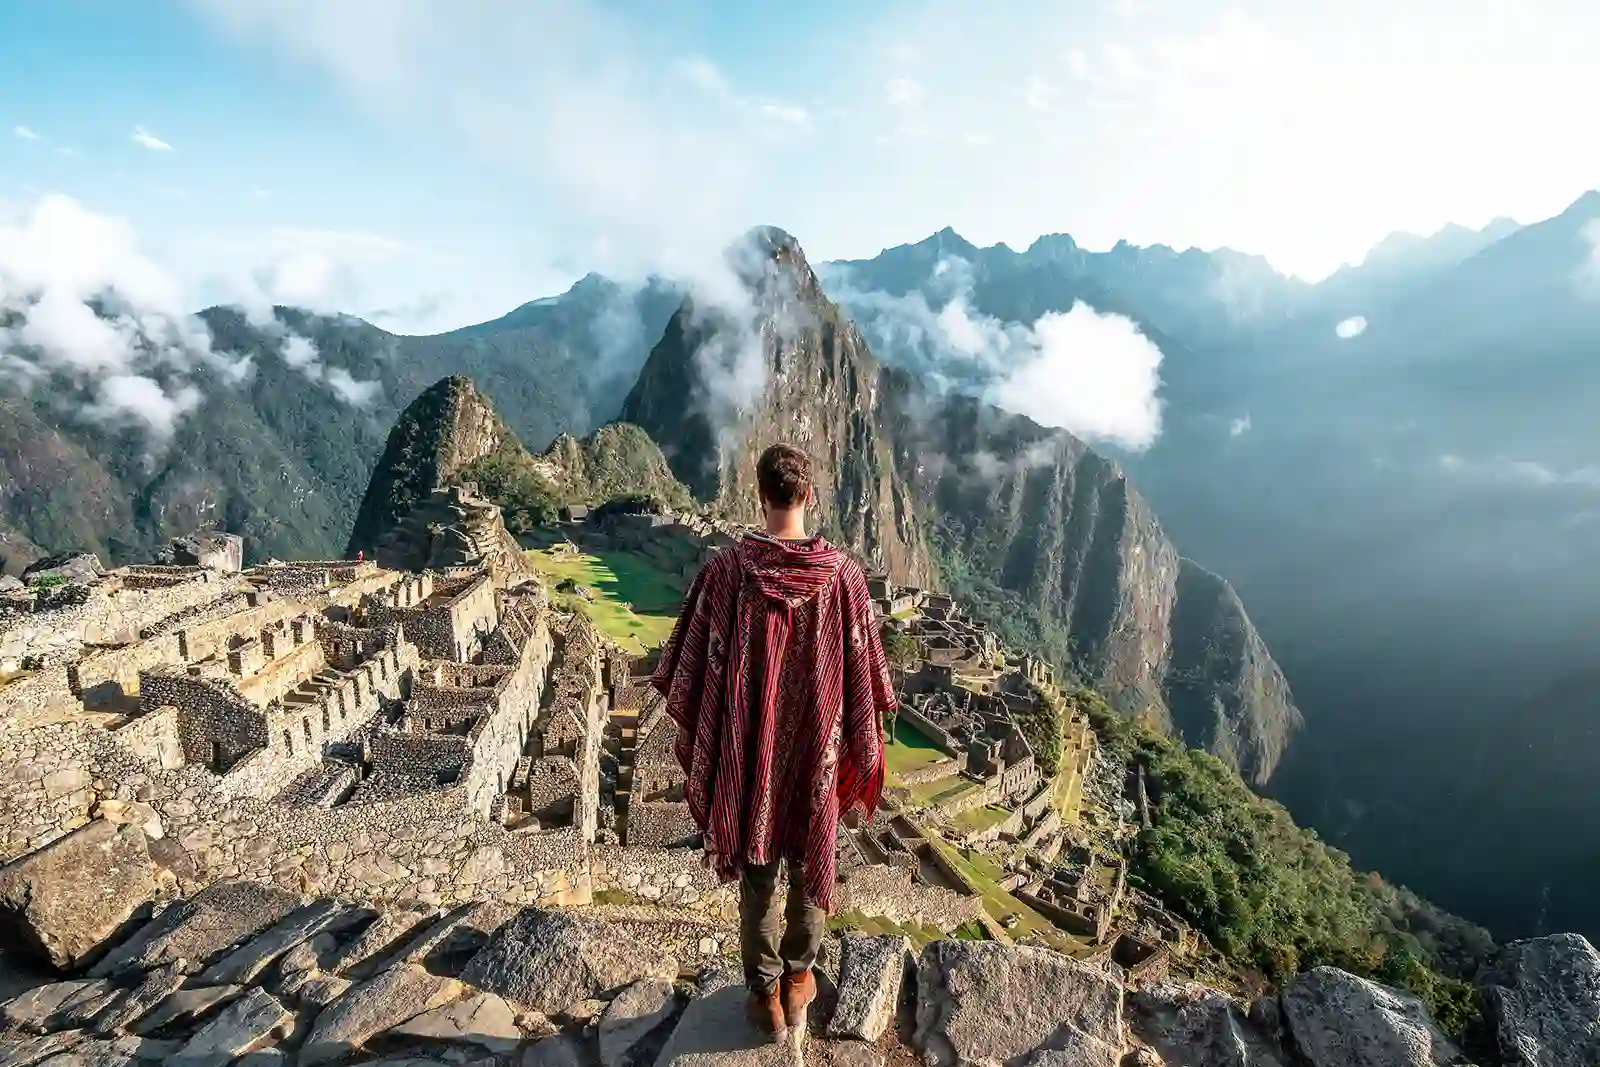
column 776, row 677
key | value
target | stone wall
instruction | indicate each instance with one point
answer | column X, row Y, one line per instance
column 154, row 737
column 659, row 823
column 673, row 877
column 892, row 893
column 439, row 757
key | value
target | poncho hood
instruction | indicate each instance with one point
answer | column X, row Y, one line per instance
column 791, row 572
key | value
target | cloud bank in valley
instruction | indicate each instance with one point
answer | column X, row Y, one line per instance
column 82, row 304
column 80, row 301
column 1095, row 375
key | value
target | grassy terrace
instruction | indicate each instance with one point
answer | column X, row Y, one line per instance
column 985, row 876
column 942, row 790
column 909, row 749
column 975, row 820
column 635, row 602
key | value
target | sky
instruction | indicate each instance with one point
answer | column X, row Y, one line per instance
column 429, row 163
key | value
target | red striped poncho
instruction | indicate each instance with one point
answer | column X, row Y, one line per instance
column 776, row 677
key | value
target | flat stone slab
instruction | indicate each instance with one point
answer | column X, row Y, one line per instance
column 871, row 972
column 182, row 1006
column 550, row 960
column 201, row 929
column 385, row 934
column 25, row 1050
column 63, row 903
column 1340, row 1020
column 378, row 1004
column 248, row 962
column 560, row 1050
column 32, row 1011
column 324, row 990
column 715, row 1033
column 243, row 1025
column 480, row 1019
column 984, row 1002
column 632, row 1016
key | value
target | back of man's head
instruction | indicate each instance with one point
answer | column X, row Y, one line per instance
column 783, row 475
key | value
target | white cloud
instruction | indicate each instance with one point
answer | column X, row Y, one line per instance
column 1518, row 472
column 91, row 308
column 357, row 394
column 26, row 134
column 1239, row 427
column 1354, row 326
column 146, row 139
column 1094, row 375
column 905, row 93
column 146, row 399
column 1040, row 94
column 786, row 113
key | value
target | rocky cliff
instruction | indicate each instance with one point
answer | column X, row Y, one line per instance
column 724, row 383
column 1040, row 534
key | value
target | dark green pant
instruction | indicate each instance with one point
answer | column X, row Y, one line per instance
column 768, row 953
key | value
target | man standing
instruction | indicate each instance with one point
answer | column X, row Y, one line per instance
column 776, row 677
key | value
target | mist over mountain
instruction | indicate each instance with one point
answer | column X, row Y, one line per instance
column 1396, row 468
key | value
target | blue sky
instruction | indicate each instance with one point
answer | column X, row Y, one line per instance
column 445, row 161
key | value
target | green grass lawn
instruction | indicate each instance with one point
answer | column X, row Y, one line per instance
column 942, row 790
column 909, row 749
column 975, row 820
column 636, row 603
column 985, row 876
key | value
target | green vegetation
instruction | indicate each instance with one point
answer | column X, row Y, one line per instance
column 1273, row 896
column 909, row 750
column 984, row 875
column 509, row 477
column 919, row 933
column 635, row 603
column 1042, row 725
column 903, row 650
column 942, row 790
column 976, row 820
column 46, row 581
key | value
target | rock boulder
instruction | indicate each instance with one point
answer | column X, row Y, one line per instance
column 64, row 567
column 62, row 903
column 1200, row 1027
column 1543, row 1001
column 871, row 971
column 550, row 960
column 981, row 1002
column 1339, row 1020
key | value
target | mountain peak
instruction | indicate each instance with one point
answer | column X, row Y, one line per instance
column 447, row 427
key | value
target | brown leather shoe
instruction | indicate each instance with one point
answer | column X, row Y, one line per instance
column 765, row 1012
column 799, row 990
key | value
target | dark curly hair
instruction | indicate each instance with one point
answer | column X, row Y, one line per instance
column 783, row 474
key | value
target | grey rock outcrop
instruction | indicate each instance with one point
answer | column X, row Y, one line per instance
column 871, row 972
column 62, row 903
column 251, row 959
column 210, row 548
column 1339, row 1020
column 245, row 1023
column 1200, row 1027
column 715, row 1033
column 1542, row 998
column 550, row 960
column 479, row 1019
column 376, row 1005
column 33, row 1010
column 186, row 1006
column 200, row 929
column 156, row 987
column 980, row 1002
column 64, row 567
column 632, row 1016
